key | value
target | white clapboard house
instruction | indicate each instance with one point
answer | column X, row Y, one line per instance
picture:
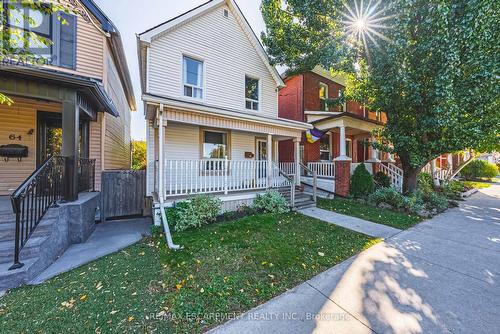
column 211, row 103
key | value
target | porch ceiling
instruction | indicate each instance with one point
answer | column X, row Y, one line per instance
column 202, row 115
column 354, row 124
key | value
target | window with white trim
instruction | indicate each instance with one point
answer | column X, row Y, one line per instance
column 323, row 96
column 193, row 77
column 251, row 93
column 214, row 144
column 324, row 148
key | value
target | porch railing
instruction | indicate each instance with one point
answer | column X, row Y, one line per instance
column 323, row 169
column 33, row 198
column 86, row 175
column 314, row 174
column 185, row 177
column 395, row 174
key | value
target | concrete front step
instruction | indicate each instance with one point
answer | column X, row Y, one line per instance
column 29, row 251
column 8, row 230
column 10, row 278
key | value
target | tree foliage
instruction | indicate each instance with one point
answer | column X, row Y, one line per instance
column 302, row 34
column 139, row 159
column 17, row 44
column 435, row 74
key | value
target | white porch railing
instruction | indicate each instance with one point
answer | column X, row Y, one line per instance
column 439, row 173
column 188, row 177
column 323, row 169
column 287, row 167
column 395, row 174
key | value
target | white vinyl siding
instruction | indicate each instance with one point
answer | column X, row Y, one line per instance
column 228, row 56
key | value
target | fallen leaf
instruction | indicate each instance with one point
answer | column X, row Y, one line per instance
column 83, row 298
column 114, row 312
column 130, row 318
column 321, row 254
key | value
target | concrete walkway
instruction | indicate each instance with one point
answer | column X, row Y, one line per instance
column 107, row 238
column 351, row 223
column 442, row 276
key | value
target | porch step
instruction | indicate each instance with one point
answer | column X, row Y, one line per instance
column 302, row 199
column 29, row 251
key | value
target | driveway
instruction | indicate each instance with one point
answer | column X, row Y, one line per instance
column 441, row 276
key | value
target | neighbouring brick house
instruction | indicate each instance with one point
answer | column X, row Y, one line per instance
column 348, row 127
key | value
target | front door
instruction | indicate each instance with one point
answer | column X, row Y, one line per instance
column 261, row 156
column 49, row 138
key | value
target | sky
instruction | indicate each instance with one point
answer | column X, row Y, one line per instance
column 134, row 16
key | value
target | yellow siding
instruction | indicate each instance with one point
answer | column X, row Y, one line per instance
column 95, row 148
column 18, row 120
column 89, row 50
column 117, row 149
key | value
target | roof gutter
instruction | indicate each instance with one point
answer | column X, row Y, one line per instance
column 94, row 86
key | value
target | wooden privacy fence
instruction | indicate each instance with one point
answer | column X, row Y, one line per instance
column 123, row 193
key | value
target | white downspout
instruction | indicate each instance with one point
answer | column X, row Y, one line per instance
column 161, row 193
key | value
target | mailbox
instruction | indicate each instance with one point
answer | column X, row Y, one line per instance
column 13, row 151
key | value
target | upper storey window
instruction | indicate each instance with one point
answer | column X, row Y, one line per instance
column 323, row 96
column 37, row 34
column 251, row 93
column 193, row 78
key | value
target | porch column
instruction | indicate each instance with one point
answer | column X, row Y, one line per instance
column 450, row 161
column 435, row 180
column 70, row 141
column 276, row 157
column 296, row 144
column 269, row 156
column 342, row 149
column 374, row 157
column 342, row 167
column 161, row 145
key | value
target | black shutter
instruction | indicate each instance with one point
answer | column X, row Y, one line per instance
column 67, row 41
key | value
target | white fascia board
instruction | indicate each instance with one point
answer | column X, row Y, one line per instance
column 226, row 113
column 149, row 35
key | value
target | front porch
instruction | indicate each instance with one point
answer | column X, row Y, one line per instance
column 230, row 157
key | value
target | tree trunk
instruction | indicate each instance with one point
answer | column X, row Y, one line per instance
column 410, row 180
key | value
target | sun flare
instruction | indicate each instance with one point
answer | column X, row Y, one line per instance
column 365, row 20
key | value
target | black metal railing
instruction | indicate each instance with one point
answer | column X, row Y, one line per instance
column 86, row 175
column 33, row 198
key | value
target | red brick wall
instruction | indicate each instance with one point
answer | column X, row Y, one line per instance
column 311, row 90
column 286, row 151
column 291, row 99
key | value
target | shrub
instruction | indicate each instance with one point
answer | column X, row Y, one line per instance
column 437, row 202
column 479, row 169
column 271, row 202
column 382, row 180
column 415, row 202
column 361, row 182
column 454, row 190
column 387, row 195
column 200, row 210
column 425, row 183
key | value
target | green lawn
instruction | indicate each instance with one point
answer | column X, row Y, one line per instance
column 476, row 184
column 367, row 212
column 224, row 268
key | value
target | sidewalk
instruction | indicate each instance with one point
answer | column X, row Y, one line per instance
column 107, row 238
column 352, row 223
column 441, row 276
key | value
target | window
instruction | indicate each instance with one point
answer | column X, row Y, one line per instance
column 323, row 96
column 41, row 34
column 324, row 148
column 214, row 145
column 348, row 147
column 193, row 78
column 251, row 93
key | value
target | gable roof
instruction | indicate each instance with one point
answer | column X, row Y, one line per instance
column 117, row 49
column 148, row 35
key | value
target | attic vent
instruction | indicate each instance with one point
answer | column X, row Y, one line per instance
column 226, row 13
